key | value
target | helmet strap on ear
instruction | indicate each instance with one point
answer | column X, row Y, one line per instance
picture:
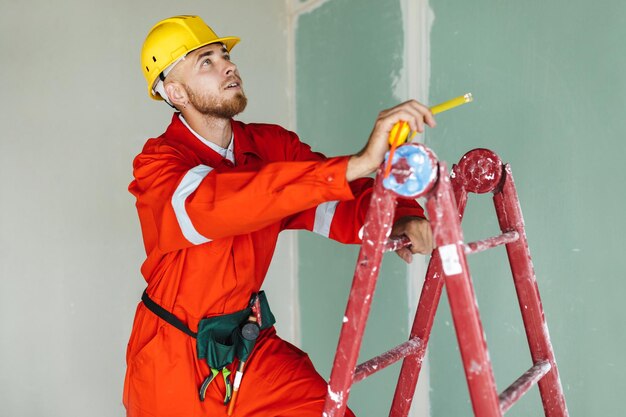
column 159, row 87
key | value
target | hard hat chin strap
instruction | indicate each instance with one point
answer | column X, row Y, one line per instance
column 159, row 87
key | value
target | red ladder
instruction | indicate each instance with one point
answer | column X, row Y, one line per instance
column 417, row 173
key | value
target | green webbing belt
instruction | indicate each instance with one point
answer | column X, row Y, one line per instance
column 219, row 339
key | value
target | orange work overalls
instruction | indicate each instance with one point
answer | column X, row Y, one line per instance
column 210, row 229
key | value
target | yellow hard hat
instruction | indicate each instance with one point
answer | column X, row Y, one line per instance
column 171, row 39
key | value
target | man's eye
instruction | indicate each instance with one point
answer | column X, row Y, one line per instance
column 227, row 57
column 206, row 62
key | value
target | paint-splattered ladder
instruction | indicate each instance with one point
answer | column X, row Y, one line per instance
column 417, row 173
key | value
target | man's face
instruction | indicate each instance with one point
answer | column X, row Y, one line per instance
column 212, row 82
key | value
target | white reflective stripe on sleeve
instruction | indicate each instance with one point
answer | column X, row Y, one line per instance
column 324, row 217
column 188, row 185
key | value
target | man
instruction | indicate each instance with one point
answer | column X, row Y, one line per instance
column 212, row 196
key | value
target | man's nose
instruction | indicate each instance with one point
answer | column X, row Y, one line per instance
column 229, row 67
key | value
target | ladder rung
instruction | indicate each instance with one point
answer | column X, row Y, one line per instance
column 396, row 243
column 518, row 388
column 469, row 248
column 482, row 245
column 410, row 347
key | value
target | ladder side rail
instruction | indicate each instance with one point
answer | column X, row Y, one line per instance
column 377, row 227
column 422, row 325
column 470, row 335
column 424, row 317
column 509, row 215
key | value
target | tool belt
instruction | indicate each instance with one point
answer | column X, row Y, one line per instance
column 221, row 339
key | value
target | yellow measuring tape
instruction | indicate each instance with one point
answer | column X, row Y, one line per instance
column 399, row 133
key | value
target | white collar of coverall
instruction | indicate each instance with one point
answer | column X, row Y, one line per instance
column 225, row 152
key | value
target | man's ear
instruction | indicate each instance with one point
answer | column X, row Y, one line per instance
column 177, row 94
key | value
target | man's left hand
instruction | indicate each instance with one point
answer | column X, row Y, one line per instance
column 419, row 233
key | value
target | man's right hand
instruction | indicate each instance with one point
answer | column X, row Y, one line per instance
column 369, row 158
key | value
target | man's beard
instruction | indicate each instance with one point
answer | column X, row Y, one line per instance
column 214, row 107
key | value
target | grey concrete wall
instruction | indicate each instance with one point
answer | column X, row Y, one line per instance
column 74, row 112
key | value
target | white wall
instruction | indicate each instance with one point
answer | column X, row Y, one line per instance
column 74, row 112
column 415, row 80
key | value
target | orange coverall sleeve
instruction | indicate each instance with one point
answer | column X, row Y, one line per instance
column 193, row 203
column 342, row 220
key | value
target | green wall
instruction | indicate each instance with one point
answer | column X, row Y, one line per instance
column 550, row 92
column 549, row 87
column 348, row 54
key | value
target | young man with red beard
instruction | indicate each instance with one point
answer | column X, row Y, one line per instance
column 212, row 195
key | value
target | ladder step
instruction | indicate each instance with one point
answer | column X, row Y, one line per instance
column 483, row 245
column 410, row 347
column 518, row 388
column 396, row 243
column 469, row 248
